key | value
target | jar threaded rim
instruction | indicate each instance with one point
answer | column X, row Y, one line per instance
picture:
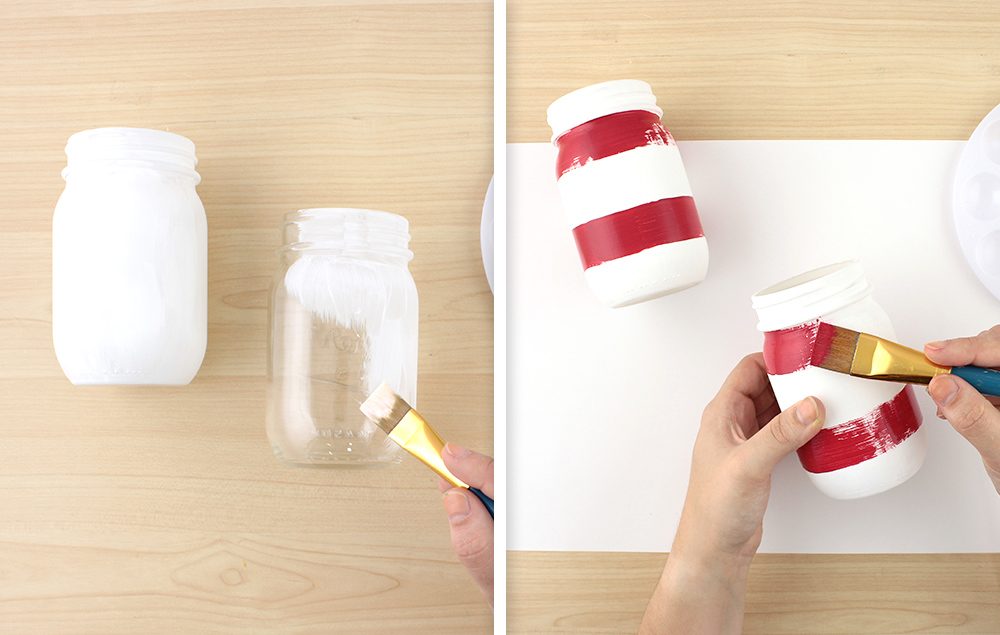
column 810, row 295
column 132, row 147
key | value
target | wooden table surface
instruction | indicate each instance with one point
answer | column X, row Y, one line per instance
column 847, row 69
column 162, row 510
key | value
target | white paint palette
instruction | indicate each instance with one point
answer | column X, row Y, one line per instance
column 976, row 201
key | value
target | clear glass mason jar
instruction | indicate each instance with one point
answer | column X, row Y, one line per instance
column 129, row 260
column 343, row 320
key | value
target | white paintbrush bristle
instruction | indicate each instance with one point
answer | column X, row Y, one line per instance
column 385, row 408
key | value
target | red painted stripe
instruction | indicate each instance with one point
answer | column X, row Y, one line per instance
column 862, row 439
column 608, row 136
column 789, row 350
column 628, row 232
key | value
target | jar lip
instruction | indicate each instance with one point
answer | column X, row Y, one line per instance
column 809, row 295
column 347, row 230
column 600, row 100
column 131, row 147
column 127, row 137
column 391, row 220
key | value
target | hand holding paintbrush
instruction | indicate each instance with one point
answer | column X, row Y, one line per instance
column 409, row 429
column 862, row 355
column 974, row 417
column 464, row 474
column 960, row 372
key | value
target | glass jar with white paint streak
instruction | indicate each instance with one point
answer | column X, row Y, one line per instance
column 624, row 189
column 871, row 440
column 129, row 260
column 343, row 320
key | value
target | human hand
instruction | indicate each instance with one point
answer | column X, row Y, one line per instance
column 974, row 416
column 471, row 525
column 743, row 436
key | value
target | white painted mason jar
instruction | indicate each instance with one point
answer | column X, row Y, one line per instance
column 624, row 189
column 129, row 260
column 344, row 319
column 871, row 440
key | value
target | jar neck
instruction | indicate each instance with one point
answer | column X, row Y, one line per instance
column 810, row 295
column 600, row 100
column 142, row 148
column 359, row 234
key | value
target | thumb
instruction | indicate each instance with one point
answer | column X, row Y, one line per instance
column 784, row 434
column 473, row 468
column 471, row 536
column 970, row 414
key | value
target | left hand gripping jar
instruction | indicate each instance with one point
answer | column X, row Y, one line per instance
column 129, row 260
column 624, row 189
column 344, row 319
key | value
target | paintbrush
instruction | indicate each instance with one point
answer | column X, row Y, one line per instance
column 405, row 426
column 862, row 355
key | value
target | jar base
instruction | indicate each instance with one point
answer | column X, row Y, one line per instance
column 128, row 380
column 663, row 270
column 320, row 460
column 876, row 475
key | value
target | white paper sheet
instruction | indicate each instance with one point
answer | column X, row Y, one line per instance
column 604, row 403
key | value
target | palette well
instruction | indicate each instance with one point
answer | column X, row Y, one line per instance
column 604, row 404
column 976, row 201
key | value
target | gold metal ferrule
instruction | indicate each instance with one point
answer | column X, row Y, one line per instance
column 877, row 358
column 419, row 439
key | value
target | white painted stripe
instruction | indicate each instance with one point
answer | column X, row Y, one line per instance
column 623, row 181
column 649, row 273
column 845, row 397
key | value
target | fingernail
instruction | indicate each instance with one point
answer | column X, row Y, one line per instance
column 456, row 504
column 936, row 345
column 456, row 451
column 806, row 412
column 943, row 390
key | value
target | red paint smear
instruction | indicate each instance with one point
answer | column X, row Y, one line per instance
column 791, row 349
column 607, row 136
column 628, row 232
column 856, row 441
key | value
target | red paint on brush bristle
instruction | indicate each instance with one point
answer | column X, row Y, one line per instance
column 823, row 343
column 861, row 439
column 607, row 136
column 791, row 349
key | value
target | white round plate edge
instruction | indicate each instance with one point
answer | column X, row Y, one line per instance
column 972, row 162
column 486, row 235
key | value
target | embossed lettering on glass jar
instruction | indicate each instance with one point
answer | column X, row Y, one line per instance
column 129, row 260
column 623, row 186
column 343, row 320
column 872, row 440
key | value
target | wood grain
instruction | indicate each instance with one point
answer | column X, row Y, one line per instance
column 774, row 69
column 777, row 69
column 162, row 510
column 575, row 592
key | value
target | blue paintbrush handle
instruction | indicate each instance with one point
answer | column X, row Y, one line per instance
column 487, row 501
column 984, row 380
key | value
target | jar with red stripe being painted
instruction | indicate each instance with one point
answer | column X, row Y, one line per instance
column 871, row 440
column 623, row 186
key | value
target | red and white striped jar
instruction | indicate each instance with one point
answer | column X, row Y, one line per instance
column 625, row 191
column 872, row 440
